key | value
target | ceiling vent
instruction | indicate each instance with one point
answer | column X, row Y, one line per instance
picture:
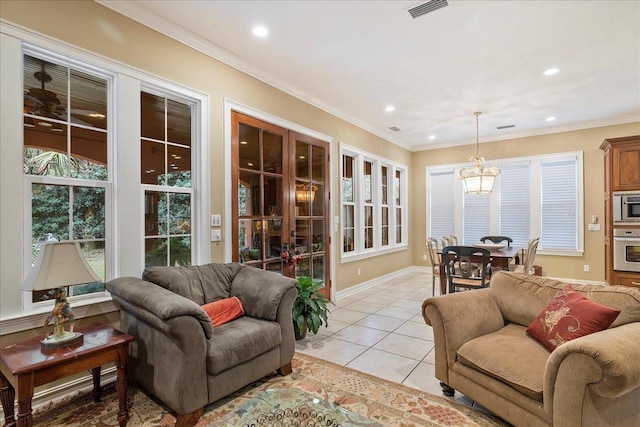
column 395, row 128
column 505, row 127
column 427, row 7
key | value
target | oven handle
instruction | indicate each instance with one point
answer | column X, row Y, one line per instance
column 627, row 239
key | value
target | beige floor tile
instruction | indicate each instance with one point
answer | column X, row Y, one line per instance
column 335, row 350
column 414, row 305
column 431, row 357
column 418, row 319
column 365, row 306
column 402, row 345
column 380, row 322
column 379, row 298
column 342, row 302
column 388, row 366
column 346, row 315
column 361, row 335
column 332, row 327
column 416, row 330
column 397, row 312
column 423, row 378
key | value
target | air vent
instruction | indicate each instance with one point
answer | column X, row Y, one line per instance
column 427, row 7
column 505, row 127
column 395, row 128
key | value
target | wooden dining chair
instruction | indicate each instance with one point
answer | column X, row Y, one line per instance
column 497, row 239
column 464, row 274
column 434, row 257
column 527, row 260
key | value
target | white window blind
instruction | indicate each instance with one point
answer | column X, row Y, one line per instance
column 559, row 204
column 476, row 217
column 515, row 203
column 442, row 221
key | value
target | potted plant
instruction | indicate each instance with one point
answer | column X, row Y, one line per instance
column 309, row 308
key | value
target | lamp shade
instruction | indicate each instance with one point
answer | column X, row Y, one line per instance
column 59, row 264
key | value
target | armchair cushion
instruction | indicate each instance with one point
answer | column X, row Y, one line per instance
column 570, row 315
column 239, row 341
column 501, row 354
column 223, row 310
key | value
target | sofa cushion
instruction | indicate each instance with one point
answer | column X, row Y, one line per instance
column 570, row 315
column 239, row 341
column 224, row 310
column 509, row 356
column 522, row 297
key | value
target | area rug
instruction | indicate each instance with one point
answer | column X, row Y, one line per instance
column 316, row 393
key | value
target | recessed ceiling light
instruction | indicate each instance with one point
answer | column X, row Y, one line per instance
column 551, row 71
column 57, row 130
column 46, row 124
column 432, row 137
column 550, row 118
column 97, row 115
column 389, row 108
column 243, row 142
column 249, row 164
column 29, row 125
column 260, row 31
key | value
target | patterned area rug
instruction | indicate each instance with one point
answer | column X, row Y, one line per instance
column 316, row 393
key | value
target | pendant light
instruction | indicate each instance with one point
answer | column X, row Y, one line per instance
column 478, row 179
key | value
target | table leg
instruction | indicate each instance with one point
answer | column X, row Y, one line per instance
column 121, row 385
column 7, row 397
column 443, row 279
column 25, row 394
column 97, row 391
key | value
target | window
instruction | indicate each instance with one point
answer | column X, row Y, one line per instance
column 166, row 179
column 65, row 161
column 374, row 201
column 534, row 196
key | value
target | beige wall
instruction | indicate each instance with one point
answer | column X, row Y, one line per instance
column 97, row 29
column 586, row 140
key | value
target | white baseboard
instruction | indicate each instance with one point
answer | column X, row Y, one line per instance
column 51, row 396
column 379, row 280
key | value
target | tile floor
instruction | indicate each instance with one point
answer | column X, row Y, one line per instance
column 381, row 331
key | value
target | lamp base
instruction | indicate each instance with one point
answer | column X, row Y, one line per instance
column 67, row 340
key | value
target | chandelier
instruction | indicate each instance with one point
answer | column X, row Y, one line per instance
column 478, row 179
column 305, row 192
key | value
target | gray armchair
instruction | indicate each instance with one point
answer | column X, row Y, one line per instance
column 179, row 357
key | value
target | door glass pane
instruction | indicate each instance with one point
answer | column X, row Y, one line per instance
column 180, row 250
column 302, row 236
column 249, row 239
column 302, row 267
column 249, row 194
column 276, row 267
column 88, row 100
column 318, row 240
column 49, row 212
column 318, row 268
column 45, row 148
column 152, row 116
column 303, row 198
column 45, row 88
column 152, row 159
column 302, row 160
column 272, row 152
column 317, row 197
column 179, row 166
column 273, row 234
column 317, row 163
column 178, row 123
column 89, row 153
column 249, row 147
column 88, row 213
column 272, row 195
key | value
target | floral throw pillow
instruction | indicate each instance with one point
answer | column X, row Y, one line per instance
column 570, row 315
column 224, row 310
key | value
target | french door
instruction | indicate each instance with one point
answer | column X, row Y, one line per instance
column 280, row 199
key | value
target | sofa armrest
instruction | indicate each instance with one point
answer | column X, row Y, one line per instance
column 604, row 363
column 457, row 318
column 260, row 291
column 155, row 304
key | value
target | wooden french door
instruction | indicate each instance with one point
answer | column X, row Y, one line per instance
column 280, row 199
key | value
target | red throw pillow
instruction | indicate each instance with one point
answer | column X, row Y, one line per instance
column 570, row 315
column 224, row 310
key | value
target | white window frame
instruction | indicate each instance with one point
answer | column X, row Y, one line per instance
column 535, row 197
column 359, row 252
column 124, row 202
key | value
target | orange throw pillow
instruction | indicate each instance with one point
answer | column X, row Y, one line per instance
column 570, row 315
column 224, row 310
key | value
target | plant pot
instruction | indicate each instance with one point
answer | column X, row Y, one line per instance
column 299, row 335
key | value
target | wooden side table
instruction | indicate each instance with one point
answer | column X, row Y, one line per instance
column 25, row 366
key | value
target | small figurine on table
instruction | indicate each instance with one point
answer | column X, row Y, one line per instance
column 61, row 314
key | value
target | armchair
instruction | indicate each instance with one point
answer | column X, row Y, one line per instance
column 179, row 357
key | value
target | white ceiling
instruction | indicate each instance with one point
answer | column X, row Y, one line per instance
column 353, row 58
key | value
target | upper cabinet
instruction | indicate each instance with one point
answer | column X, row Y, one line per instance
column 625, row 162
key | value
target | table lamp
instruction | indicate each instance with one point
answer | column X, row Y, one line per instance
column 60, row 264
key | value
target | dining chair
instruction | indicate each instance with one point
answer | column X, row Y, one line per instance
column 497, row 239
column 464, row 274
column 436, row 261
column 446, row 241
column 527, row 260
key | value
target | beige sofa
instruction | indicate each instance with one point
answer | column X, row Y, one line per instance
column 481, row 350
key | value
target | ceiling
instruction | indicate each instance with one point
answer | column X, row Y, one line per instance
column 354, row 58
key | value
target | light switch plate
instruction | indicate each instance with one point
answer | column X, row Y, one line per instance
column 216, row 220
column 594, row 227
column 216, row 235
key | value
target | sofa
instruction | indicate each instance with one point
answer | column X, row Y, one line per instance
column 482, row 350
column 179, row 357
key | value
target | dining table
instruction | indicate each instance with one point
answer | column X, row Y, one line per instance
column 500, row 257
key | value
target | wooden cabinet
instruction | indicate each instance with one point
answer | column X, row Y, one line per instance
column 621, row 173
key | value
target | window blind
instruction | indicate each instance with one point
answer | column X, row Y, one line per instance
column 515, row 203
column 476, row 217
column 441, row 206
column 559, row 205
